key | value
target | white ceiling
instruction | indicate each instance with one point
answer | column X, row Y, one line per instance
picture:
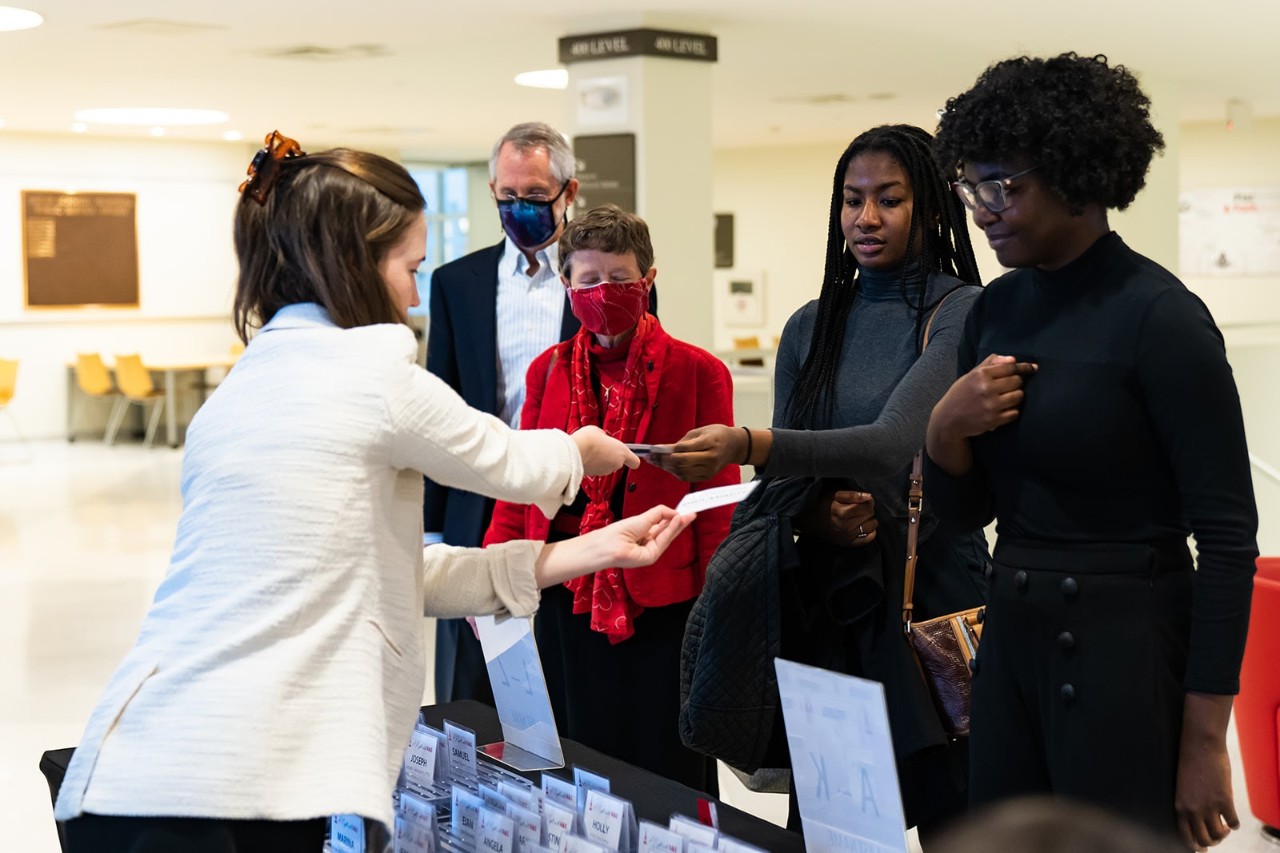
column 436, row 78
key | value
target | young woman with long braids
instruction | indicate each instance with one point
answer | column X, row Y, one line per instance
column 852, row 395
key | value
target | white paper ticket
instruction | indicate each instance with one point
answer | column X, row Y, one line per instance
column 712, row 498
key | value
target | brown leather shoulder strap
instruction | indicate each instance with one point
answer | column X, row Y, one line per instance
column 915, row 502
column 915, row 508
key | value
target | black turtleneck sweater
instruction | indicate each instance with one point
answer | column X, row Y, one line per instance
column 1130, row 432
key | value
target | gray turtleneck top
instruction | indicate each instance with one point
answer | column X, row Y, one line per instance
column 883, row 393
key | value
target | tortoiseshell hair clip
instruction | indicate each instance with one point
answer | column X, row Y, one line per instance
column 264, row 169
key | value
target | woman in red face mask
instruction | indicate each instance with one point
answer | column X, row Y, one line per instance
column 611, row 643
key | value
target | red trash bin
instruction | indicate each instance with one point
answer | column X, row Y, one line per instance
column 1257, row 708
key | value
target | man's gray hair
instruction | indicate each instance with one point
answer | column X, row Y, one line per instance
column 536, row 134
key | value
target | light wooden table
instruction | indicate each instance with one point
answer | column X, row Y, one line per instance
column 169, row 369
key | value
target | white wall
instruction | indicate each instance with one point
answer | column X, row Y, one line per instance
column 1247, row 308
column 1213, row 157
column 186, row 193
column 778, row 198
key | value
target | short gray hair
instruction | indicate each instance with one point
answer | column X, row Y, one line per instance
column 536, row 134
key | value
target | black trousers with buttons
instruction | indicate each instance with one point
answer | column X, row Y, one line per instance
column 1078, row 683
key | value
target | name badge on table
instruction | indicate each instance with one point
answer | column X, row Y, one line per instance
column 699, row 833
column 416, row 808
column 346, row 833
column 559, row 823
column 842, row 760
column 415, row 829
column 559, row 791
column 585, row 780
column 493, row 799
column 733, row 845
column 464, row 820
column 577, row 844
column 528, row 827
column 420, row 762
column 462, row 751
column 496, row 833
column 524, row 796
column 609, row 820
column 655, row 839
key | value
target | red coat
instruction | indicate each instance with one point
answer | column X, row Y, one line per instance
column 688, row 387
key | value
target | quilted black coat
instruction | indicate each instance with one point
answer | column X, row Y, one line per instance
column 728, row 686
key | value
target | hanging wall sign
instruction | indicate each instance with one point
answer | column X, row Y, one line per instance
column 697, row 47
column 606, row 170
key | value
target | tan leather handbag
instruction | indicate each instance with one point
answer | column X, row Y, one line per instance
column 944, row 645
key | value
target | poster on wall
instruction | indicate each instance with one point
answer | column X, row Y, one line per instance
column 79, row 249
column 1229, row 232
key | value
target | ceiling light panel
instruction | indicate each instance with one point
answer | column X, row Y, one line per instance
column 13, row 18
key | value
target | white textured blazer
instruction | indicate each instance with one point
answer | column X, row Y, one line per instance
column 279, row 671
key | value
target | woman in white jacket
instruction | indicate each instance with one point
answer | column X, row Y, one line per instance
column 278, row 673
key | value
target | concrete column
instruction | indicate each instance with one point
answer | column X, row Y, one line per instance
column 665, row 101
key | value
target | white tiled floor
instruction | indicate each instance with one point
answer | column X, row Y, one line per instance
column 85, row 533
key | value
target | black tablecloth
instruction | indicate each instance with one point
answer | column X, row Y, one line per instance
column 655, row 798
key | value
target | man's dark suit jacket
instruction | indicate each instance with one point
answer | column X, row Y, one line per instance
column 462, row 349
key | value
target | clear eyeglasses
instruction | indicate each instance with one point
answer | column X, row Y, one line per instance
column 991, row 194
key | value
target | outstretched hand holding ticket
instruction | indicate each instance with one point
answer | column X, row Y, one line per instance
column 706, row 450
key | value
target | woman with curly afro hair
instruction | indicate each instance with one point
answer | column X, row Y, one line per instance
column 1097, row 420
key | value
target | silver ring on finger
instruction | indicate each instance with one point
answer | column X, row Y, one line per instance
column 862, row 534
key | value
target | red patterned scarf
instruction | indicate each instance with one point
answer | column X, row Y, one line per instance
column 603, row 594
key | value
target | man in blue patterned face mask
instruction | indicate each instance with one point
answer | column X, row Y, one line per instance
column 531, row 222
column 492, row 312
column 534, row 190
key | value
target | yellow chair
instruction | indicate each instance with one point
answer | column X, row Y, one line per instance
column 94, row 380
column 134, row 381
column 8, row 382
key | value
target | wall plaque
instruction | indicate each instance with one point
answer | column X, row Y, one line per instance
column 80, row 249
